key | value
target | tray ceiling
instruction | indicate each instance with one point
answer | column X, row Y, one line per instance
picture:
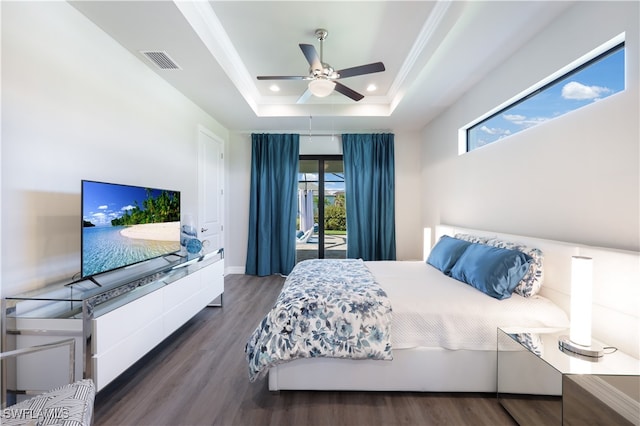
column 433, row 52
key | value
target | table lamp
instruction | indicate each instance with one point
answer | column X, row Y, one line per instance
column 579, row 340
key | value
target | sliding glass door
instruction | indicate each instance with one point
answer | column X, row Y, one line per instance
column 322, row 214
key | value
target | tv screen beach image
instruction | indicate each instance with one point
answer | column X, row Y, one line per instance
column 123, row 225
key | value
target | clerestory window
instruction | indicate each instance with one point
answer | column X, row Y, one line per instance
column 594, row 77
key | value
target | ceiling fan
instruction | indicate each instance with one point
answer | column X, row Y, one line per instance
column 322, row 77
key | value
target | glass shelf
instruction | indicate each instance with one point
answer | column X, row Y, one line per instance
column 89, row 298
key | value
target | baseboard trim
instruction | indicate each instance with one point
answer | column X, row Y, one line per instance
column 234, row 270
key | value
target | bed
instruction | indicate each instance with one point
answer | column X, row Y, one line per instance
column 415, row 327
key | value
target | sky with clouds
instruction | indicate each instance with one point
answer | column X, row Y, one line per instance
column 333, row 182
column 591, row 84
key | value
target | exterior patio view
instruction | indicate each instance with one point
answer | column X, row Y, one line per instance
column 322, row 218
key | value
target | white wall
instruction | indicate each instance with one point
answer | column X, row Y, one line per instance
column 408, row 195
column 76, row 105
column 575, row 178
column 238, row 166
column 408, row 230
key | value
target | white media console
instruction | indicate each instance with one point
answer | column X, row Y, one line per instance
column 116, row 319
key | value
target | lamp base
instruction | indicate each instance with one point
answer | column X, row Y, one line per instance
column 591, row 353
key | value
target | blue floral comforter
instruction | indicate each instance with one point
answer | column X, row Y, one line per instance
column 327, row 308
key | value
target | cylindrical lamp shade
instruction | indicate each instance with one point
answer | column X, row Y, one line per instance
column 321, row 87
column 581, row 300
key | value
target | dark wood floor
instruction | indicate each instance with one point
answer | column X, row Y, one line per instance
column 199, row 377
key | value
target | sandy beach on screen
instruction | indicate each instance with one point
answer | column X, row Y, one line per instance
column 153, row 231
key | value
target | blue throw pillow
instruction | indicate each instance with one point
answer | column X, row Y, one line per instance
column 494, row 271
column 446, row 252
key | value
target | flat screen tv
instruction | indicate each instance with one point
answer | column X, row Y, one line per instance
column 123, row 225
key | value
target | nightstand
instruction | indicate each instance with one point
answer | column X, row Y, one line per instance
column 539, row 384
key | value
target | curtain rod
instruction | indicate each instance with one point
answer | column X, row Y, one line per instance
column 301, row 133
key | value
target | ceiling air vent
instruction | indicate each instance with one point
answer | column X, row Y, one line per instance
column 161, row 59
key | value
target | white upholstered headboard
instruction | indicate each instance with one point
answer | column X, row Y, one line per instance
column 616, row 284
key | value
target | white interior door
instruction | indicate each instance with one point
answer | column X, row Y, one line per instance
column 210, row 190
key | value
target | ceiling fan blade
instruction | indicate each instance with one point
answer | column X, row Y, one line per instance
column 282, row 77
column 362, row 69
column 350, row 93
column 311, row 54
column 304, row 97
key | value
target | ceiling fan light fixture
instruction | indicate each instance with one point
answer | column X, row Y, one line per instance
column 321, row 87
column 322, row 77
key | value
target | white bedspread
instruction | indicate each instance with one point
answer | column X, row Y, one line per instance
column 431, row 309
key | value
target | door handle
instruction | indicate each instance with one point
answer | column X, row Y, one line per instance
column 204, row 229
